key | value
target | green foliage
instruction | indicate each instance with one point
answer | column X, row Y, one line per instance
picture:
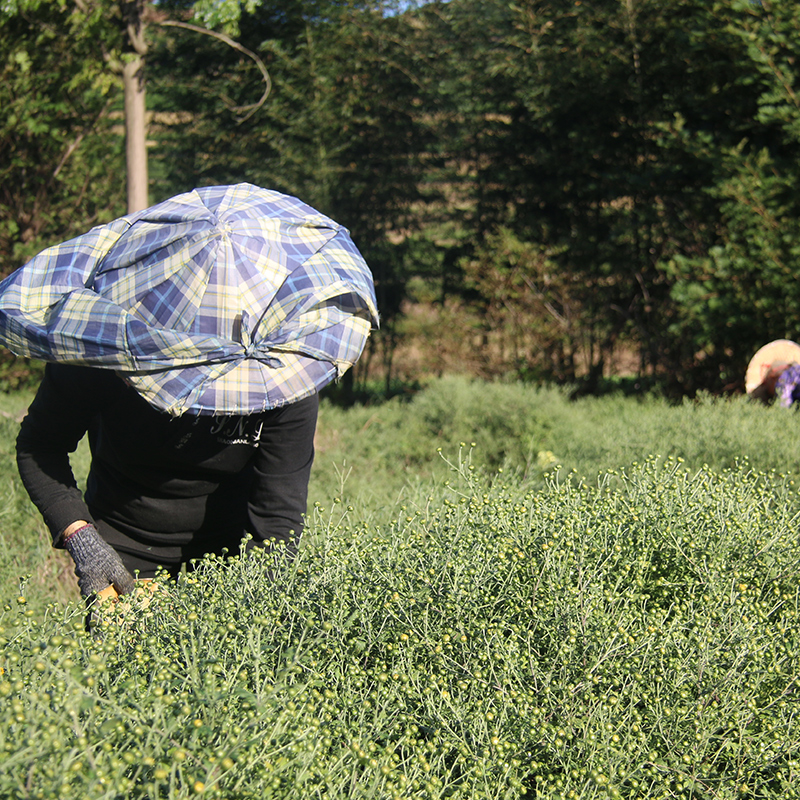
column 60, row 161
column 223, row 14
column 573, row 180
column 479, row 641
column 368, row 454
column 620, row 139
column 18, row 373
column 336, row 130
column 740, row 291
column 533, row 316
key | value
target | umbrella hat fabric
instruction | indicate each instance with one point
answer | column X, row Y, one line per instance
column 223, row 300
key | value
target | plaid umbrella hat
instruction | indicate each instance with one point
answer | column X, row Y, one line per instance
column 223, row 300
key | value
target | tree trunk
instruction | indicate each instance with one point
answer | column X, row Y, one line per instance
column 135, row 108
column 135, row 133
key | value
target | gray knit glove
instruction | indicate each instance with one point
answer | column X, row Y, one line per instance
column 96, row 563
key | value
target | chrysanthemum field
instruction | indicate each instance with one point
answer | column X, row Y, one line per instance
column 489, row 630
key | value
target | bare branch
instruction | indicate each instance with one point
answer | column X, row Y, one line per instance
column 253, row 107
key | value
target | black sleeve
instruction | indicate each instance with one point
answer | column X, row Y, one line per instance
column 56, row 421
column 282, row 469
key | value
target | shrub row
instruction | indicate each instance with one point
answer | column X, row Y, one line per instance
column 371, row 453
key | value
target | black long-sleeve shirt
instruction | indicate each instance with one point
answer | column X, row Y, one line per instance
column 175, row 484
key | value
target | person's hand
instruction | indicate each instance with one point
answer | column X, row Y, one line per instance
column 96, row 563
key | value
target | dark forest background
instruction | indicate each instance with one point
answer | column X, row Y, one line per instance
column 572, row 192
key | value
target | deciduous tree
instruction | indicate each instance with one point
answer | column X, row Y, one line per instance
column 61, row 165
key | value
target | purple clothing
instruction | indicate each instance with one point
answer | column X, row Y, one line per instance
column 787, row 388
